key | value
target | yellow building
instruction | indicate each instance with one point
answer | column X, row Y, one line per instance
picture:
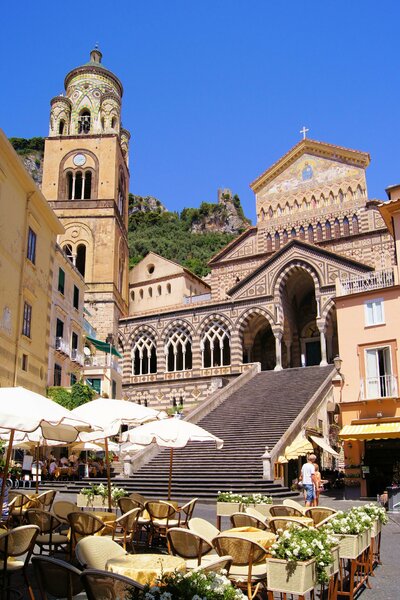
column 66, row 356
column 27, row 247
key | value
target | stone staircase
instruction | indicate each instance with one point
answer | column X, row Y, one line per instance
column 256, row 415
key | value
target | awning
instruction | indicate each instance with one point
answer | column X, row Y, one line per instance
column 282, row 460
column 103, row 346
column 370, row 431
column 324, row 445
column 299, row 447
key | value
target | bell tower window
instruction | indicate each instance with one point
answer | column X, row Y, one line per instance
column 81, row 259
column 84, row 122
column 61, row 127
column 79, row 185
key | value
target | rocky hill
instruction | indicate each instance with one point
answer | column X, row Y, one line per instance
column 31, row 152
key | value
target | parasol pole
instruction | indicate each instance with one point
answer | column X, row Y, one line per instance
column 108, row 474
column 171, row 458
column 37, row 468
column 5, row 471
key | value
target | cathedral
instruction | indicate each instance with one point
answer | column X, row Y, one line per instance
column 270, row 294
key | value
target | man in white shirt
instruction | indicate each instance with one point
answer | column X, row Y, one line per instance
column 308, row 478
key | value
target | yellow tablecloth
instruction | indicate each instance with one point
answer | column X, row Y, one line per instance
column 305, row 520
column 104, row 516
column 145, row 568
column 264, row 538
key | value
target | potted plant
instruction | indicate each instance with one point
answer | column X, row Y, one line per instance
column 96, row 496
column 260, row 502
column 301, row 558
column 196, row 585
column 354, row 531
column 228, row 503
column 378, row 516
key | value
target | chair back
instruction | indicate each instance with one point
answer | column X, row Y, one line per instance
column 281, row 523
column 186, row 544
column 18, row 541
column 319, row 513
column 138, row 498
column 222, row 562
column 46, row 521
column 243, row 552
column 293, row 504
column 128, row 521
column 280, row 510
column 93, row 552
column 46, row 499
column 57, row 578
column 246, row 520
column 83, row 524
column 102, row 585
column 160, row 510
column 20, row 500
column 203, row 528
column 257, row 514
column 62, row 508
column 187, row 510
column 126, row 504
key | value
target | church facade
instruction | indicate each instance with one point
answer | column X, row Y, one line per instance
column 270, row 295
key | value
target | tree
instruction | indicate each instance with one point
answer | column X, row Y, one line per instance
column 80, row 394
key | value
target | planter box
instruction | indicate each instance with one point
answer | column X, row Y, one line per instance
column 376, row 528
column 334, row 567
column 97, row 502
column 293, row 578
column 351, row 546
column 261, row 508
column 225, row 509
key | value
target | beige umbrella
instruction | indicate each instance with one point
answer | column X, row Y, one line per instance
column 25, row 411
column 170, row 433
column 110, row 414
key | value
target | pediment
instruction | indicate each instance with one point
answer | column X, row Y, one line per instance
column 243, row 246
column 324, row 266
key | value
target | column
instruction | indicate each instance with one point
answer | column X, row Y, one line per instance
column 278, row 350
column 323, row 362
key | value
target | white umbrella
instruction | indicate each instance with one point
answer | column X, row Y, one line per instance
column 110, row 415
column 170, row 433
column 26, row 411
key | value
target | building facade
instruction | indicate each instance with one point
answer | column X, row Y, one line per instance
column 27, row 253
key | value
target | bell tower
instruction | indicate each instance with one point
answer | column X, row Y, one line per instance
column 86, row 182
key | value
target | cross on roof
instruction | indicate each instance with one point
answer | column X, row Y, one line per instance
column 304, row 132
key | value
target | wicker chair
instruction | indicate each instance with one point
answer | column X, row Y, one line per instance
column 20, row 505
column 128, row 503
column 222, row 562
column 280, row 510
column 187, row 510
column 240, row 519
column 125, row 527
column 189, row 546
column 249, row 510
column 62, row 508
column 45, row 500
column 18, row 542
column 103, row 585
column 161, row 518
column 138, row 498
column 319, row 513
column 248, row 568
column 57, row 578
column 49, row 538
column 82, row 525
column 293, row 504
column 281, row 523
column 93, row 552
column 203, row 528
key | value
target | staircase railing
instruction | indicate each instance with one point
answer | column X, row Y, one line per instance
column 215, row 399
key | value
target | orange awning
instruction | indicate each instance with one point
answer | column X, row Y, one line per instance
column 370, row 431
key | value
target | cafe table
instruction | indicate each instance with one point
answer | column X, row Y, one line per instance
column 262, row 537
column 145, row 568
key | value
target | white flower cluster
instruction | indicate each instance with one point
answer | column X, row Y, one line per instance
column 353, row 522
column 375, row 511
column 242, row 499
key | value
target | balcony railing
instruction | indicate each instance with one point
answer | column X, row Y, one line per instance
column 77, row 356
column 372, row 281
column 102, row 361
column 61, row 345
column 383, row 386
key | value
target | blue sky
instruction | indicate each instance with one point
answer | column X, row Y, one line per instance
column 215, row 91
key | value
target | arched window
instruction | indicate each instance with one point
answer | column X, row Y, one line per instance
column 159, row 290
column 215, row 345
column 293, row 233
column 287, row 208
column 178, row 349
column 328, row 231
column 61, row 127
column 113, row 123
column 354, row 223
column 270, row 212
column 102, row 123
column 121, row 269
column 87, row 185
column 336, row 228
column 70, row 187
column 349, row 194
column 322, row 200
column 79, row 185
column 302, row 234
column 277, row 241
column 150, row 292
column 331, row 198
column 81, row 259
column 296, row 205
column 84, row 121
column 319, row 232
column 141, row 294
column 262, row 215
column 144, row 357
column 313, row 202
column 133, row 296
column 278, row 210
column 304, row 204
column 284, row 237
column 121, row 193
column 346, row 227
column 168, row 288
column 68, row 251
column 310, row 234
column 340, row 197
column 269, row 242
column 359, row 192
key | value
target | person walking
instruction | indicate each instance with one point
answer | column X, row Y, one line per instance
column 317, row 484
column 308, row 477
